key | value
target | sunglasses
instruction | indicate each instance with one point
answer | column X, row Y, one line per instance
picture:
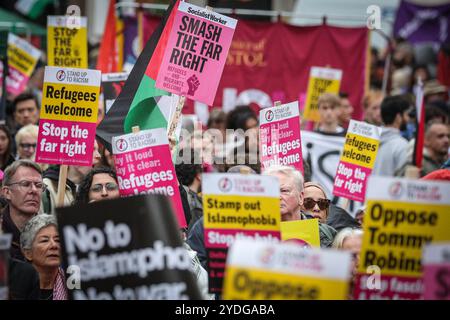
column 309, row 203
column 110, row 186
column 28, row 145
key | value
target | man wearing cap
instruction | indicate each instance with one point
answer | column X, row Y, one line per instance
column 434, row 91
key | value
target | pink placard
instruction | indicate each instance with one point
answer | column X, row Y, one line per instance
column 391, row 287
column 280, row 142
column 16, row 81
column 147, row 168
column 351, row 181
column 357, row 160
column 222, row 238
column 65, row 142
column 436, row 279
column 196, row 53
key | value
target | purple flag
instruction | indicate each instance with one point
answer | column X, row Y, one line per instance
column 417, row 23
column 131, row 41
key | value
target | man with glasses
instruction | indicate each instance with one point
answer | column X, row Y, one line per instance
column 22, row 187
column 292, row 199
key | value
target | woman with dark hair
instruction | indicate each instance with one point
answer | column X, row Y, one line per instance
column 242, row 117
column 99, row 184
column 6, row 157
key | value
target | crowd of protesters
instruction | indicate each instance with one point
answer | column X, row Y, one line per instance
column 28, row 193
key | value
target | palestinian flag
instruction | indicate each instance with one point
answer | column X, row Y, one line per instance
column 140, row 103
column 33, row 9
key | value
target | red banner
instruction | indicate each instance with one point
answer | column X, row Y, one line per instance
column 271, row 61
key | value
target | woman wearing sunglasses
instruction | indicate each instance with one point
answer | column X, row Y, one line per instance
column 99, row 184
column 315, row 202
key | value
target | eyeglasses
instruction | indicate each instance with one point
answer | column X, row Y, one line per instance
column 28, row 145
column 110, row 186
column 309, row 203
column 25, row 185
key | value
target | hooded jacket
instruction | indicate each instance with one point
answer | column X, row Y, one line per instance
column 392, row 153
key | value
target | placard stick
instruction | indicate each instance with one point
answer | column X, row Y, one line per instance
column 61, row 185
column 277, row 104
column 135, row 129
column 345, row 204
column 176, row 118
column 412, row 172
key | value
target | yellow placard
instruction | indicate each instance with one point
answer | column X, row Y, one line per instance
column 317, row 87
column 360, row 150
column 67, row 47
column 301, row 231
column 69, row 102
column 241, row 212
column 256, row 284
column 21, row 60
column 395, row 233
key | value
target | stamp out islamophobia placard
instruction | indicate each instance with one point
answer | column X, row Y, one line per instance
column 436, row 271
column 280, row 136
column 125, row 249
column 237, row 206
column 68, row 116
column 357, row 160
column 22, row 59
column 196, row 53
column 402, row 216
column 259, row 270
column 144, row 166
column 321, row 80
column 67, row 41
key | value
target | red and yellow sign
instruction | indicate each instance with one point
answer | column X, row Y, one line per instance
column 237, row 206
column 68, row 116
column 402, row 217
column 259, row 270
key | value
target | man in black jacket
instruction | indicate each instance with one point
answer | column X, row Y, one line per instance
column 22, row 187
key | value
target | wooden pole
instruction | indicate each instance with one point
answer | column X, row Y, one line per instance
column 412, row 172
column 61, row 185
column 176, row 118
